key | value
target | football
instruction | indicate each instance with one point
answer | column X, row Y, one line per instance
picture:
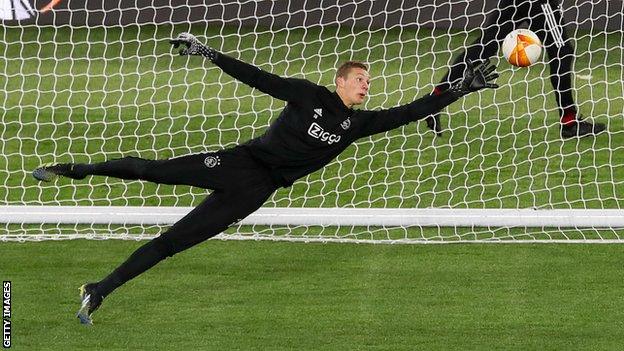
column 522, row 48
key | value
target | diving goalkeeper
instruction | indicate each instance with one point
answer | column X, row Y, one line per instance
column 542, row 18
column 315, row 126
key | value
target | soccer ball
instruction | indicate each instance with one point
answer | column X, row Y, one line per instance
column 522, row 48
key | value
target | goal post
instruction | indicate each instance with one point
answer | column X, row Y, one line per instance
column 87, row 82
column 382, row 217
column 129, row 223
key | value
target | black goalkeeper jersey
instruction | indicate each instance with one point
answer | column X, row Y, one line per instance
column 315, row 126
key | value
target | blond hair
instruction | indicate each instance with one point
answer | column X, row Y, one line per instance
column 345, row 68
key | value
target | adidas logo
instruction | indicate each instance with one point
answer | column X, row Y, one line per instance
column 318, row 112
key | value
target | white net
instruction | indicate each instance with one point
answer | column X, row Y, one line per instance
column 87, row 82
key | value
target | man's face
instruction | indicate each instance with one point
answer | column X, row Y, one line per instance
column 354, row 86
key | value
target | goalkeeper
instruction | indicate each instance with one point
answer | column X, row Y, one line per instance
column 315, row 126
column 546, row 23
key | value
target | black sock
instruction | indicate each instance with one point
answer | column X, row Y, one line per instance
column 131, row 168
column 141, row 260
column 82, row 170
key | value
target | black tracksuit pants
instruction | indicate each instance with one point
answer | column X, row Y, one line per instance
column 241, row 185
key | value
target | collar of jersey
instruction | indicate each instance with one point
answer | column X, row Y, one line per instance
column 341, row 106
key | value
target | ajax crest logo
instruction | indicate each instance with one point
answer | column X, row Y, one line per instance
column 212, row 161
column 346, row 124
column 24, row 9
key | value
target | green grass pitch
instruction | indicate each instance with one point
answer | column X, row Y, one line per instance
column 87, row 95
column 226, row 295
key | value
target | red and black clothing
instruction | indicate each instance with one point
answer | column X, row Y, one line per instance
column 510, row 15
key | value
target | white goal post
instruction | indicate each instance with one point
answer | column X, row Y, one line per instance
column 87, row 82
column 387, row 217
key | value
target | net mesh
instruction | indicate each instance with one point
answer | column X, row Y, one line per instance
column 90, row 82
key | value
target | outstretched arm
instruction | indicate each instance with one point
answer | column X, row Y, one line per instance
column 476, row 77
column 287, row 89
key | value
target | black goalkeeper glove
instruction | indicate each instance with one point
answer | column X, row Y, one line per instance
column 192, row 46
column 477, row 76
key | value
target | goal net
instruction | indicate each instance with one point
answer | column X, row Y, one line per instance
column 90, row 81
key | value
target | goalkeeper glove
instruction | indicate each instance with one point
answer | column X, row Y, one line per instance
column 476, row 77
column 192, row 46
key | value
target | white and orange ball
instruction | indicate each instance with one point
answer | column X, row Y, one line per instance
column 522, row 48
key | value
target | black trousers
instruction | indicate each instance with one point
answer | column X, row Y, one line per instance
column 509, row 15
column 241, row 185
